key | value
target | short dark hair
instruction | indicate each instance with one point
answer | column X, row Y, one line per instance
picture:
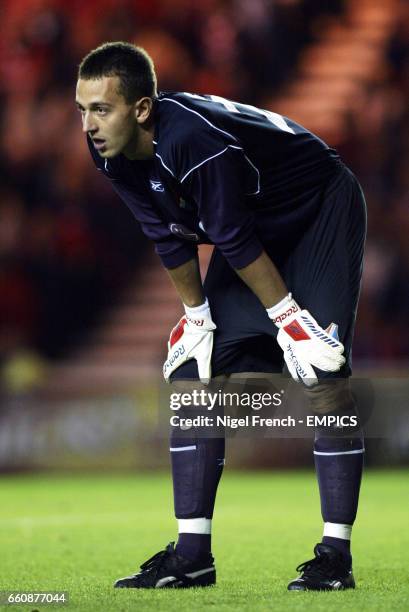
column 130, row 63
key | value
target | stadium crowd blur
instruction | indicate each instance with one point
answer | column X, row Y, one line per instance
column 68, row 247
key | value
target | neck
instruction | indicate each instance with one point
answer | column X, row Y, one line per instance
column 143, row 147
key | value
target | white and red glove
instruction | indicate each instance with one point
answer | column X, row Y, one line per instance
column 305, row 344
column 192, row 338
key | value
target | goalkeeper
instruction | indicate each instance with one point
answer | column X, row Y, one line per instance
column 288, row 222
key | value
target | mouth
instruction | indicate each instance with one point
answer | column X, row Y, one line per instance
column 98, row 143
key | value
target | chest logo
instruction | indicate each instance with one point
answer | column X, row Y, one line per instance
column 157, row 186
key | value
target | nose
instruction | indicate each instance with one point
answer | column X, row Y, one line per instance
column 88, row 125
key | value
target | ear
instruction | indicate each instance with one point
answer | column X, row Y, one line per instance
column 143, row 109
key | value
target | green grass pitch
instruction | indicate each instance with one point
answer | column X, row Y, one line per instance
column 79, row 533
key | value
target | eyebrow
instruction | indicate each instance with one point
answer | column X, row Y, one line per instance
column 93, row 105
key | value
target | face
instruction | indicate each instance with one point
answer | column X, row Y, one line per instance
column 112, row 123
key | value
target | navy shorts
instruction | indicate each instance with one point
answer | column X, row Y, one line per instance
column 322, row 270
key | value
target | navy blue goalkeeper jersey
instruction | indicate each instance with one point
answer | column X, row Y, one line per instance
column 223, row 173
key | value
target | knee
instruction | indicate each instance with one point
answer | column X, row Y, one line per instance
column 330, row 396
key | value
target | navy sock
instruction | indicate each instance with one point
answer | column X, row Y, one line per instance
column 197, row 465
column 194, row 546
column 339, row 463
column 344, row 546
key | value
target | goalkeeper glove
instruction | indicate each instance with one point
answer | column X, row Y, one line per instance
column 192, row 338
column 305, row 344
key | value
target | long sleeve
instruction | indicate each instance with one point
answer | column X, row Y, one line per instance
column 219, row 187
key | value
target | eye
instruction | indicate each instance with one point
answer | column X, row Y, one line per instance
column 101, row 110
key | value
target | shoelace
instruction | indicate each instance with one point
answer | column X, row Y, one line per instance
column 319, row 566
column 157, row 560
